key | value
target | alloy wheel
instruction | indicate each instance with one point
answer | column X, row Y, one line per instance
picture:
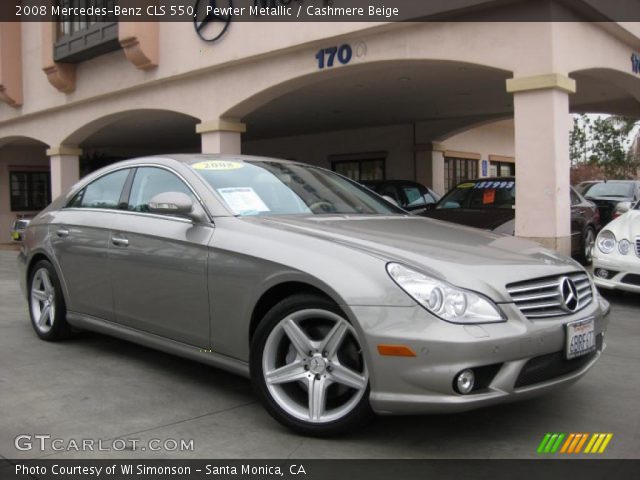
column 43, row 300
column 313, row 366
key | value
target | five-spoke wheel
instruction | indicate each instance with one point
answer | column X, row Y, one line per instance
column 46, row 303
column 309, row 367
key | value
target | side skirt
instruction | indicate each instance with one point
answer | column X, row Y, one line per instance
column 86, row 322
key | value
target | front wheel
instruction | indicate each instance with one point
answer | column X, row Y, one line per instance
column 588, row 244
column 308, row 368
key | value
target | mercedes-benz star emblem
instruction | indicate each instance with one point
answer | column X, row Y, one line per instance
column 209, row 23
column 569, row 294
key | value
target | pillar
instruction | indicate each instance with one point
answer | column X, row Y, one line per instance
column 437, row 169
column 65, row 168
column 221, row 136
column 541, row 111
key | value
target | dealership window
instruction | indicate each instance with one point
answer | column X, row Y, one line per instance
column 30, row 191
column 80, row 37
column 360, row 170
column 458, row 170
column 503, row 169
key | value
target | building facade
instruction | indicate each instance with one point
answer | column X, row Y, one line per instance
column 438, row 102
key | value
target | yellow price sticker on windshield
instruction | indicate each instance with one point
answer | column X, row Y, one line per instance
column 466, row 185
column 217, row 165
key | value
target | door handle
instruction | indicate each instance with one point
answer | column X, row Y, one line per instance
column 120, row 241
column 62, row 232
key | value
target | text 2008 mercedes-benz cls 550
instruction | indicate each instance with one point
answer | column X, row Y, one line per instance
column 334, row 302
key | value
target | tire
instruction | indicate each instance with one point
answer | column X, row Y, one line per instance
column 587, row 245
column 47, row 307
column 321, row 392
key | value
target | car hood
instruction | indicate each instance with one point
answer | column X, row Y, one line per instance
column 479, row 218
column 626, row 226
column 465, row 256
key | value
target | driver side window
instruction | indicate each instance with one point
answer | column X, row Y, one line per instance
column 149, row 182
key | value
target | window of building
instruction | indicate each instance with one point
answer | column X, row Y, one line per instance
column 458, row 170
column 30, row 191
column 502, row 169
column 80, row 37
column 360, row 170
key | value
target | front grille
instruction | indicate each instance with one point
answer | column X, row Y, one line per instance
column 553, row 365
column 638, row 246
column 542, row 297
column 631, row 279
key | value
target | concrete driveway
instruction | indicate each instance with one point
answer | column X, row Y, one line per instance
column 98, row 388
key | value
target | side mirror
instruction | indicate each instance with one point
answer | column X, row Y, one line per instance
column 174, row 203
column 391, row 200
column 430, row 206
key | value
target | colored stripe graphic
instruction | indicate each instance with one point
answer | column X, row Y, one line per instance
column 573, row 443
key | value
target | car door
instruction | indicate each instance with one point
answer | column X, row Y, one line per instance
column 80, row 235
column 159, row 263
column 579, row 215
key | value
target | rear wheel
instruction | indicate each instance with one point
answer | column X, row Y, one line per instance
column 47, row 307
column 308, row 368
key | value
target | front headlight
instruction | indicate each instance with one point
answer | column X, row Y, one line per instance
column 606, row 241
column 624, row 246
column 450, row 303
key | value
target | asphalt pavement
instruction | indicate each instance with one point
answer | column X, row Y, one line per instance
column 97, row 388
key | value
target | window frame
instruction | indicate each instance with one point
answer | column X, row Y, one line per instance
column 451, row 176
column 28, row 187
column 359, row 161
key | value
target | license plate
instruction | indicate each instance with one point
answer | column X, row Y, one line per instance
column 581, row 338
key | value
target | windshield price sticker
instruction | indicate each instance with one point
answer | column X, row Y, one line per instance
column 243, row 200
column 218, row 165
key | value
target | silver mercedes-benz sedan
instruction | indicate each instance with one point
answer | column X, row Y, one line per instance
column 334, row 302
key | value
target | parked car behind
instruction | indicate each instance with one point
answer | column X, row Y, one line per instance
column 334, row 302
column 616, row 260
column 489, row 203
column 584, row 186
column 18, row 228
column 608, row 195
column 411, row 196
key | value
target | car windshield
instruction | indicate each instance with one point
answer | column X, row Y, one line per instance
column 480, row 194
column 277, row 188
column 610, row 189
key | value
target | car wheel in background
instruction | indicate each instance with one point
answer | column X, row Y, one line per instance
column 308, row 368
column 47, row 307
column 588, row 244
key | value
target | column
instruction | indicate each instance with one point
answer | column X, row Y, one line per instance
column 437, row 169
column 65, row 168
column 221, row 136
column 541, row 114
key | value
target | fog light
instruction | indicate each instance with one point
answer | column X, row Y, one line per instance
column 465, row 381
column 602, row 273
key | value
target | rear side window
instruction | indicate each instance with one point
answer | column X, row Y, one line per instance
column 149, row 182
column 105, row 192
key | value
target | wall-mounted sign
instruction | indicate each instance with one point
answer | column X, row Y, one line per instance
column 485, row 168
column 635, row 63
column 327, row 56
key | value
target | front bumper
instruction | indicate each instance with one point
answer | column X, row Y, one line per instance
column 521, row 356
column 623, row 265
